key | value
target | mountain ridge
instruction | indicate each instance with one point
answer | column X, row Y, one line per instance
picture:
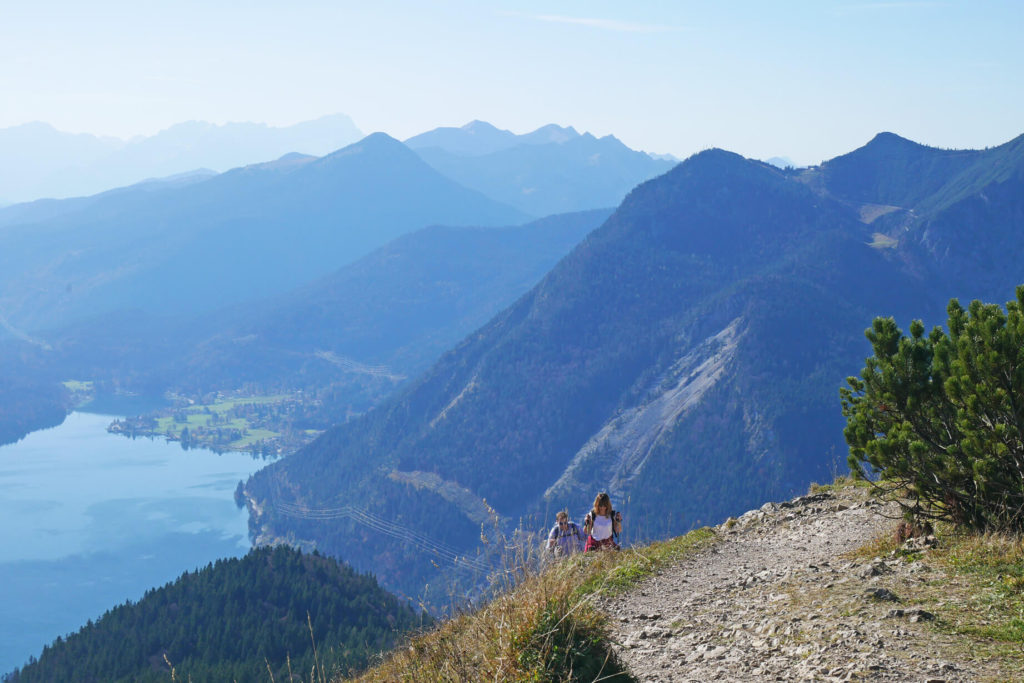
column 683, row 257
column 551, row 170
column 125, row 249
column 37, row 160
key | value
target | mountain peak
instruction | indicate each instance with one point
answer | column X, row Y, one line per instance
column 894, row 171
column 552, row 132
column 33, row 126
column 295, row 156
column 477, row 126
column 715, row 157
column 288, row 161
column 374, row 143
column 886, row 140
column 472, row 139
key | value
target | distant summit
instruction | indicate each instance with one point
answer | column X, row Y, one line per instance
column 474, row 138
column 550, row 133
column 554, row 169
column 781, row 162
column 37, row 160
column 477, row 138
column 892, row 170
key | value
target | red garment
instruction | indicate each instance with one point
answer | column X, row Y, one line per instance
column 606, row 544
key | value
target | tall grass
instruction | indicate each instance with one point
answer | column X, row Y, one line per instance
column 543, row 626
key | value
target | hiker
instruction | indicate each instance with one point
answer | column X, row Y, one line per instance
column 565, row 537
column 602, row 525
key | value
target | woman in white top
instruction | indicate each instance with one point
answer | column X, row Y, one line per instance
column 602, row 524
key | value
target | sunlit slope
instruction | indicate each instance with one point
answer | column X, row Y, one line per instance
column 685, row 356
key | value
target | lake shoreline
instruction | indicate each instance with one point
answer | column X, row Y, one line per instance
column 93, row 519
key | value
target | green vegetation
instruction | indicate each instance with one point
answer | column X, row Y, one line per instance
column 28, row 404
column 545, row 628
column 939, row 418
column 839, row 483
column 262, row 425
column 976, row 590
column 993, row 566
column 254, row 618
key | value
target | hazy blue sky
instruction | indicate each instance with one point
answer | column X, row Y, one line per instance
column 805, row 79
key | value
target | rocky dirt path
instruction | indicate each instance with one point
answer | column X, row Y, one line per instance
column 775, row 600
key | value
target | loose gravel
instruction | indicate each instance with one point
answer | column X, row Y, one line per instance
column 775, row 600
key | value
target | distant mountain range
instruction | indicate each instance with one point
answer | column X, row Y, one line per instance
column 199, row 244
column 128, row 248
column 38, row 161
column 121, row 286
column 477, row 138
column 686, row 356
column 551, row 170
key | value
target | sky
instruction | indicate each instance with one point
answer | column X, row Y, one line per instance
column 805, row 80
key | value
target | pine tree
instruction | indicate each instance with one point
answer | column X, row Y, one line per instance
column 940, row 418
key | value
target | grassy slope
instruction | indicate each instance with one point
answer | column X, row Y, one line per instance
column 976, row 593
column 546, row 628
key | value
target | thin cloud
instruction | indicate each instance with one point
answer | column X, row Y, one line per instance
column 603, row 24
column 908, row 4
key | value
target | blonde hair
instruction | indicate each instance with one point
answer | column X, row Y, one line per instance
column 562, row 514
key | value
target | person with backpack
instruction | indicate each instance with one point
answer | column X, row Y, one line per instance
column 565, row 537
column 602, row 525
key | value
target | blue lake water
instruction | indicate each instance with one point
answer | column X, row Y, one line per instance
column 89, row 520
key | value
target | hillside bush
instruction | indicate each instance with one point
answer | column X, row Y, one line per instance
column 939, row 418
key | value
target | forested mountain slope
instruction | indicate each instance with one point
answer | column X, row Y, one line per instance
column 350, row 337
column 954, row 217
column 240, row 619
column 685, row 356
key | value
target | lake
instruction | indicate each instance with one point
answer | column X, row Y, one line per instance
column 90, row 520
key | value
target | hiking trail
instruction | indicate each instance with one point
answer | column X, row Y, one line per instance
column 777, row 599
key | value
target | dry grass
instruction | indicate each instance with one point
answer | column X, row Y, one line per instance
column 975, row 590
column 840, row 482
column 869, row 213
column 880, row 241
column 544, row 628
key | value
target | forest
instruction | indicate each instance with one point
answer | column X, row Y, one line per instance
column 274, row 612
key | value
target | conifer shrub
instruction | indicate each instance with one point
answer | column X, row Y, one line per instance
column 939, row 418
